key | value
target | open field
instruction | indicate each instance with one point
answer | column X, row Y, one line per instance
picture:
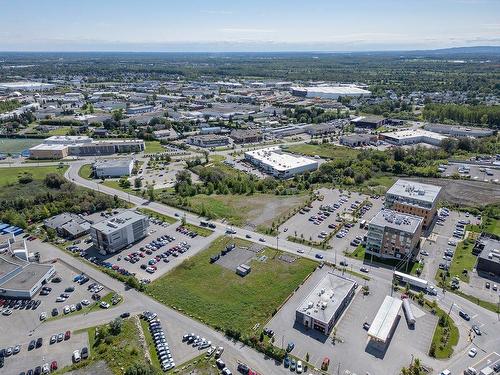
column 463, row 259
column 492, row 226
column 247, row 210
column 157, row 215
column 153, row 147
column 217, row 296
column 324, row 150
column 10, row 175
column 86, row 171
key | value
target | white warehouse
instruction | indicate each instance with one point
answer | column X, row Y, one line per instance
column 274, row 161
column 329, row 92
column 113, row 168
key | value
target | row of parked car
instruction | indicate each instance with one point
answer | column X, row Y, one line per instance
column 162, row 347
column 9, row 305
column 46, row 368
column 186, row 231
column 196, row 341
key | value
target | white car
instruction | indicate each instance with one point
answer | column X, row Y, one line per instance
column 472, row 352
column 60, row 299
column 85, row 302
column 43, row 316
column 104, row 305
column 299, row 367
column 76, row 356
column 66, row 309
column 72, row 308
column 45, row 368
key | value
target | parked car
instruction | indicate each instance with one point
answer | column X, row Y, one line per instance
column 290, row 347
column 76, row 356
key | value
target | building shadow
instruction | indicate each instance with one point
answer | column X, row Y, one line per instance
column 318, row 336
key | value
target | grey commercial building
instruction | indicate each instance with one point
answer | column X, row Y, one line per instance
column 369, row 122
column 20, row 278
column 358, row 140
column 208, row 140
column 459, row 131
column 393, row 235
column 325, row 304
column 113, row 167
column 68, row 225
column 488, row 251
column 112, row 235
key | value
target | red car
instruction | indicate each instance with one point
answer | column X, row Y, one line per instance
column 53, row 366
column 67, row 335
column 325, row 364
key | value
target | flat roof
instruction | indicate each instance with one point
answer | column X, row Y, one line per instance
column 117, row 222
column 384, row 320
column 396, row 220
column 278, row 160
column 414, row 133
column 27, row 278
column 415, row 190
column 344, row 90
column 326, row 297
column 491, row 249
column 49, row 147
column 113, row 163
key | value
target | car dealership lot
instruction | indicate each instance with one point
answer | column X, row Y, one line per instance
column 149, row 258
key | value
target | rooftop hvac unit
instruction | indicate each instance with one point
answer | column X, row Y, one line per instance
column 324, row 305
column 112, row 225
column 310, row 304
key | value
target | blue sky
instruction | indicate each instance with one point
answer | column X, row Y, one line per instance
column 251, row 25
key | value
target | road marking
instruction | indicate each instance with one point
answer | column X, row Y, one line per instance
column 474, row 316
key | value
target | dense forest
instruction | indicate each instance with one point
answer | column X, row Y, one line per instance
column 9, row 105
column 463, row 114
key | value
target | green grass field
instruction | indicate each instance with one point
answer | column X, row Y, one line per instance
column 10, row 175
column 153, row 147
column 463, row 259
column 151, row 344
column 217, row 296
column 204, row 232
column 324, row 150
column 492, row 226
column 445, row 350
column 86, row 171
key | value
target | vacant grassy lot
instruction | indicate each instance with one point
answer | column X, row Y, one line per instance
column 86, row 171
column 10, row 175
column 492, row 226
column 445, row 336
column 325, row 150
column 217, row 296
column 153, row 147
column 254, row 210
column 463, row 259
column 204, row 232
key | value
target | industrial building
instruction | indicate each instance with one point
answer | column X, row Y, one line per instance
column 325, row 304
column 246, row 135
column 208, row 140
column 321, row 129
column 20, row 278
column 329, row 92
column 112, row 168
column 414, row 198
column 393, row 235
column 275, row 162
column 140, row 109
column 369, row 122
column 413, row 137
column 358, row 140
column 110, row 236
column 488, row 250
column 383, row 324
column 68, row 225
column 59, row 147
column 459, row 131
column 26, row 86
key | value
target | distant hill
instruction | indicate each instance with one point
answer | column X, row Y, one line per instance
column 482, row 50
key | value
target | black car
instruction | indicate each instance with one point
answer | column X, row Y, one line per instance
column 55, row 312
column 464, row 315
column 125, row 315
column 78, row 306
column 84, row 353
column 56, row 279
column 32, row 345
column 38, row 370
column 30, row 372
column 39, row 342
column 243, row 368
column 496, row 368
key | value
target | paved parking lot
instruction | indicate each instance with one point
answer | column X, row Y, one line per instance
column 29, row 359
column 475, row 172
column 30, row 319
column 156, row 231
column 351, row 337
column 310, row 226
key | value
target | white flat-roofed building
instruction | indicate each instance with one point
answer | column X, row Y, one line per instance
column 322, row 308
column 414, row 198
column 329, row 92
column 110, row 236
column 412, row 137
column 113, row 168
column 274, row 161
column 383, row 323
column 26, row 86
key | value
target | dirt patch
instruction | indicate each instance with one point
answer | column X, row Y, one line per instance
column 267, row 210
column 467, row 193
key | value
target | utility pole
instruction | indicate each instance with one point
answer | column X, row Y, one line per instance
column 338, row 369
column 449, row 312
